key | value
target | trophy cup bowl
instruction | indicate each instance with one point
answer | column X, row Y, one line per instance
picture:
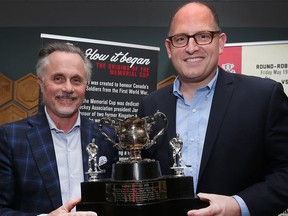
column 133, row 137
column 133, row 133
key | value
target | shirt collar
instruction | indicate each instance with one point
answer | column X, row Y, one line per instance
column 54, row 127
column 209, row 86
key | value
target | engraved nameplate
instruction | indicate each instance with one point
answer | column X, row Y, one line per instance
column 136, row 192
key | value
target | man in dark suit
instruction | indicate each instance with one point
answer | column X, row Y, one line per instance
column 43, row 159
column 234, row 127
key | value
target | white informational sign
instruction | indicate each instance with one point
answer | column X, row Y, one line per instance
column 263, row 59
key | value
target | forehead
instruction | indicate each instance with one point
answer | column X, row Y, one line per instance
column 191, row 18
column 65, row 57
column 65, row 60
column 67, row 64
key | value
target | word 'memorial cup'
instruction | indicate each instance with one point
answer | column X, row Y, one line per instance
column 133, row 133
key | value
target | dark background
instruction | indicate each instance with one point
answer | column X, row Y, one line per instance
column 134, row 21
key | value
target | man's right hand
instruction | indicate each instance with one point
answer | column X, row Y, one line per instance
column 65, row 210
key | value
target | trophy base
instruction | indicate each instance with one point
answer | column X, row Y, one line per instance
column 139, row 189
column 170, row 207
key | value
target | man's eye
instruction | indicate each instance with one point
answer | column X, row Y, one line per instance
column 76, row 80
column 180, row 38
column 58, row 78
column 204, row 36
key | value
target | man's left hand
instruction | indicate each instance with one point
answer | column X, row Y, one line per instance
column 219, row 206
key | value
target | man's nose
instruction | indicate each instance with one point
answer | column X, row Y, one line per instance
column 68, row 86
column 192, row 45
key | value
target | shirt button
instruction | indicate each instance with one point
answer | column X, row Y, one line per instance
column 194, row 110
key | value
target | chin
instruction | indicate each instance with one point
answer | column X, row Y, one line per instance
column 67, row 112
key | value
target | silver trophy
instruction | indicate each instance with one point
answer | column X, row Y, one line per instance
column 93, row 167
column 178, row 164
column 133, row 133
column 137, row 186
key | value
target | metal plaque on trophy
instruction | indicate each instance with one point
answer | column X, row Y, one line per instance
column 137, row 186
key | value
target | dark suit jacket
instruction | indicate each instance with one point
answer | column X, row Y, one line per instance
column 29, row 181
column 246, row 145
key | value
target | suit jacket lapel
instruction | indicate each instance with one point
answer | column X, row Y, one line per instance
column 223, row 93
column 40, row 139
column 170, row 114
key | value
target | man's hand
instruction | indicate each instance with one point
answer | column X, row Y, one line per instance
column 65, row 209
column 219, row 206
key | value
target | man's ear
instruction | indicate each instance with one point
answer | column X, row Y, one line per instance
column 222, row 42
column 168, row 47
column 40, row 83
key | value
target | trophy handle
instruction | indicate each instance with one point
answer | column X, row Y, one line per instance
column 110, row 123
column 153, row 119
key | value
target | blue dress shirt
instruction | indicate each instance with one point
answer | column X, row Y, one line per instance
column 191, row 124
